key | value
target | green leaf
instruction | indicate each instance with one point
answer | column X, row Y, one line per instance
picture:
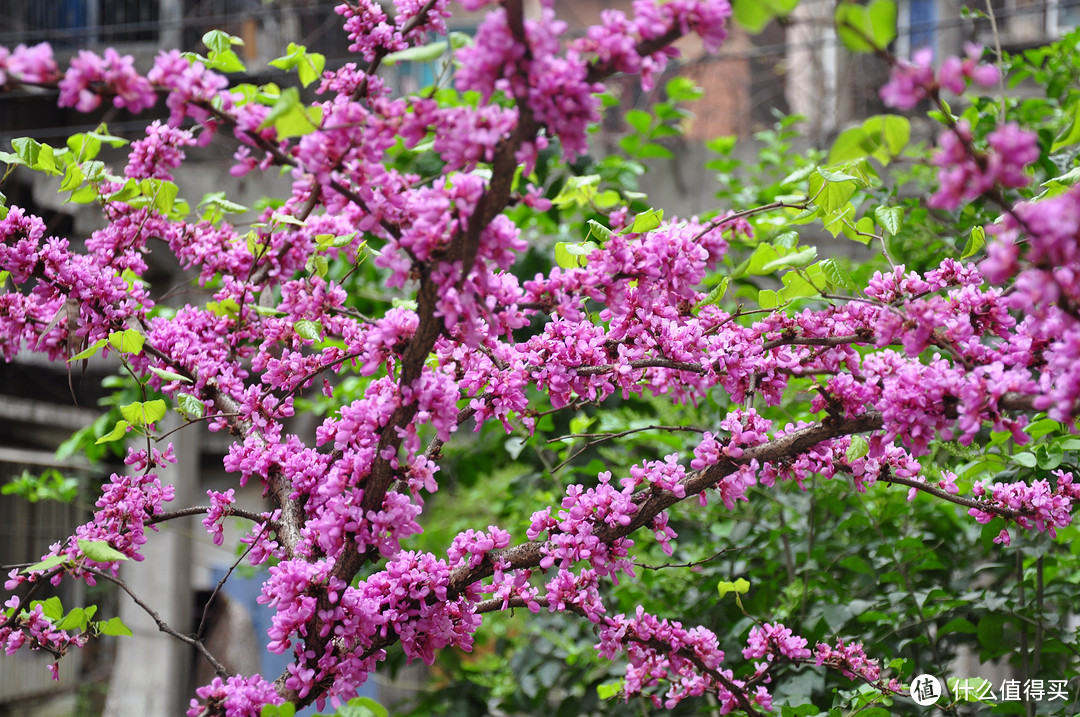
column 837, row 275
column 73, row 178
column 118, row 432
column 101, row 134
column 115, row 627
column 227, row 61
column 74, row 620
column 361, row 707
column 830, row 191
column 598, row 230
column 960, row 624
column 288, row 116
column 976, row 241
column 51, row 608
column 190, row 406
column 89, row 350
column 655, row 151
column 640, row 120
column 47, row 564
column 862, row 232
column 858, row 448
column 1026, row 459
column 317, row 264
column 140, row 414
column 128, row 341
column 162, row 193
column 713, row 297
column 882, row 15
column 225, row 307
column 755, row 15
column 420, row 53
column 9, row 158
column 27, row 150
column 570, row 256
column 219, row 201
column 837, row 221
column 849, row 144
column 169, row 375
column 887, row 135
column 740, row 587
column 1072, row 136
column 609, row 690
column 579, row 190
column 682, row 89
column 220, row 41
column 768, row 299
column 306, row 329
column 100, row 551
column 645, row 222
column 797, row 259
column 889, row 218
column 865, row 29
column 309, row 65
column 798, row 284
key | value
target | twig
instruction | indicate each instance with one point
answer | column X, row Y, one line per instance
column 221, row 583
column 693, row 564
column 200, row 510
column 161, row 624
column 1000, row 60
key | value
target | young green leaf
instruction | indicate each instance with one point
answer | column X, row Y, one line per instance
column 47, row 564
column 306, row 329
column 740, row 587
column 169, row 375
column 140, row 414
column 645, row 222
column 858, row 448
column 100, row 551
column 976, row 241
column 89, row 350
column 889, row 218
column 191, row 407
column 118, row 432
column 609, row 690
column 115, row 627
column 128, row 341
column 420, row 53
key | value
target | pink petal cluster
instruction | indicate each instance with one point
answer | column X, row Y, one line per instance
column 91, row 76
column 32, row 65
column 914, row 80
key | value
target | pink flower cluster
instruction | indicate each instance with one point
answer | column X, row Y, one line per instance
column 219, row 509
column 30, row 628
column 157, row 154
column 91, row 76
column 910, row 82
column 572, row 535
column 32, row 65
column 772, row 641
column 1042, row 507
column 966, row 173
column 236, row 696
column 662, row 651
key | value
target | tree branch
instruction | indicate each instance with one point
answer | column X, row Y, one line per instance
column 161, row 624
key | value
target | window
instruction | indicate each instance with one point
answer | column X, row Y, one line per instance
column 78, row 23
